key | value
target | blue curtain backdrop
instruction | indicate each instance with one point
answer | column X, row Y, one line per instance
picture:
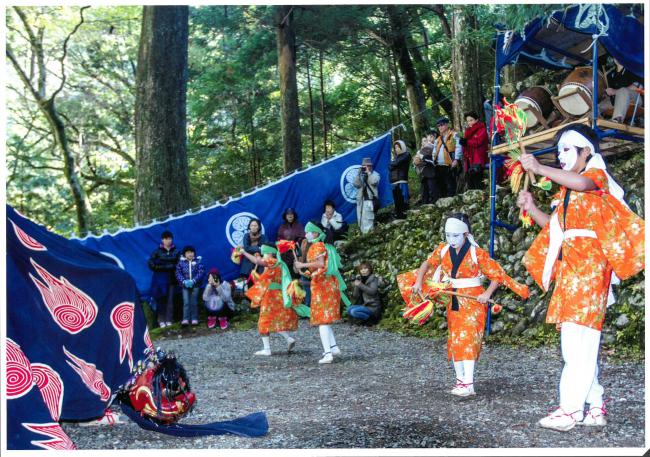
column 214, row 231
column 623, row 37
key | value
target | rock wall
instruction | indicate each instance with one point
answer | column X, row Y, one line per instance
column 394, row 247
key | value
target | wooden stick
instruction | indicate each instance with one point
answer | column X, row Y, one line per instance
column 457, row 294
column 530, row 177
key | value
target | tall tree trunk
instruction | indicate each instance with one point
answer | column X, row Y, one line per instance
column 162, row 179
column 311, row 113
column 466, row 93
column 286, row 41
column 423, row 67
column 414, row 93
column 398, row 92
column 322, row 101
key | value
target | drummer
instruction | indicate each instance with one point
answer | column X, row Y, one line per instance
column 623, row 86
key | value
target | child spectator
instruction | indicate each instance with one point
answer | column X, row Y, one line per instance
column 218, row 301
column 163, row 286
column 189, row 273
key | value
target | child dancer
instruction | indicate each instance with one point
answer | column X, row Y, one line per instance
column 268, row 295
column 590, row 240
column 327, row 287
column 462, row 263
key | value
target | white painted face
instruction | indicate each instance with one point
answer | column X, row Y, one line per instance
column 567, row 155
column 311, row 236
column 455, row 240
column 267, row 257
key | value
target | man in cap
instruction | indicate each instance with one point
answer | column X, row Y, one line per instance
column 367, row 182
column 447, row 154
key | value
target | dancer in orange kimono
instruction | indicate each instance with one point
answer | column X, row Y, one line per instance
column 327, row 288
column 589, row 242
column 462, row 263
column 268, row 295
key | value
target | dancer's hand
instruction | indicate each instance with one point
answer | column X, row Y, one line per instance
column 529, row 162
column 483, row 298
column 525, row 201
column 416, row 289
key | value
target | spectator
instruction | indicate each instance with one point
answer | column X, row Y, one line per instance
column 399, row 175
column 367, row 305
column 367, row 182
column 292, row 229
column 475, row 150
column 332, row 223
column 447, row 153
column 488, row 112
column 253, row 240
column 425, row 169
column 189, row 273
column 217, row 298
column 622, row 89
column 163, row 285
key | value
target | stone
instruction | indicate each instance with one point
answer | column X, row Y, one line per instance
column 622, row 321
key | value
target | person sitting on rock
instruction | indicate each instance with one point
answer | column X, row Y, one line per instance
column 367, row 305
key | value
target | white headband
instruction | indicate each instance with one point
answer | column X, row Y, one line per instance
column 573, row 138
column 454, row 225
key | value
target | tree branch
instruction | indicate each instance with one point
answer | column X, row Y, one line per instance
column 65, row 51
column 37, row 48
column 439, row 10
column 23, row 75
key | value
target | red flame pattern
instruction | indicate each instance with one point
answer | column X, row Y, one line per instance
column 70, row 307
column 51, row 386
column 26, row 240
column 90, row 375
column 19, row 373
column 147, row 338
column 122, row 320
column 59, row 440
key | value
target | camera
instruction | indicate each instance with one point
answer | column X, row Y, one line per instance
column 357, row 278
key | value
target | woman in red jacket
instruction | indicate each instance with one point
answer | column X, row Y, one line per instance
column 475, row 150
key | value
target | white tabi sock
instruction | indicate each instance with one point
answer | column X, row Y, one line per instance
column 468, row 368
column 460, row 373
column 267, row 343
column 331, row 332
column 325, row 337
column 286, row 336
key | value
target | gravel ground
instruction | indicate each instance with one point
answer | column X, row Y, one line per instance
column 384, row 391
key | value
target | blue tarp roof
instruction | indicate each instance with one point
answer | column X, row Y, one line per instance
column 559, row 41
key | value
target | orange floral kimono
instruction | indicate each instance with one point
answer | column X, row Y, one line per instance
column 325, row 293
column 465, row 317
column 267, row 294
column 600, row 235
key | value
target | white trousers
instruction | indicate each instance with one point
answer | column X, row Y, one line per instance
column 365, row 215
column 579, row 381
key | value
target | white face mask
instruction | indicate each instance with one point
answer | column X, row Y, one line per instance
column 567, row 155
column 455, row 240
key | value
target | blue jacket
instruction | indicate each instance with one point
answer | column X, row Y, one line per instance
column 186, row 270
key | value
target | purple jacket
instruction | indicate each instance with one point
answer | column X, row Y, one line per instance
column 194, row 271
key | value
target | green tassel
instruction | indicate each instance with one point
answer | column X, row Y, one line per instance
column 302, row 310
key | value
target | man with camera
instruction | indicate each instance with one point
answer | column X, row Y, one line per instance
column 367, row 182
